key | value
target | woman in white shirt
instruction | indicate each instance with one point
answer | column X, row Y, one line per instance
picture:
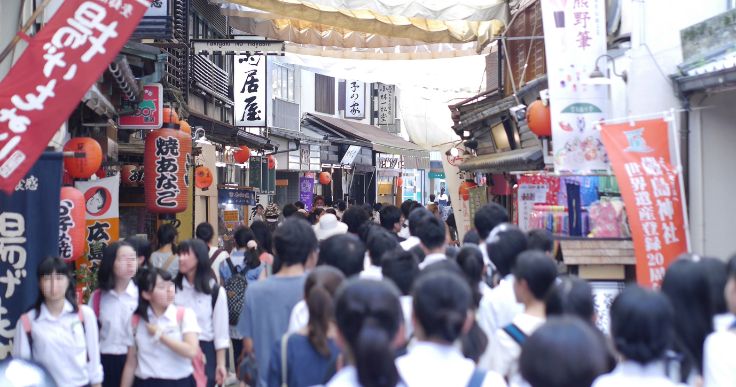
column 162, row 338
column 114, row 303
column 720, row 347
column 57, row 333
column 197, row 289
column 369, row 323
column 442, row 313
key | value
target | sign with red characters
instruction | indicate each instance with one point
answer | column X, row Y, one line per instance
column 640, row 156
column 60, row 64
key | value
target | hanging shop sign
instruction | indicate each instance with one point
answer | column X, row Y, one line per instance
column 148, row 112
column 59, row 65
column 306, row 191
column 350, row 155
column 575, row 31
column 354, row 99
column 387, row 161
column 238, row 197
column 167, row 161
column 435, row 170
column 158, row 8
column 72, row 225
column 103, row 219
column 250, row 85
column 28, row 220
column 652, row 190
column 236, row 46
column 386, row 104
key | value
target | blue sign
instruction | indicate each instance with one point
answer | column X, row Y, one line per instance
column 29, row 232
column 239, row 197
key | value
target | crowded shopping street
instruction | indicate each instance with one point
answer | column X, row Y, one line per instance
column 367, row 193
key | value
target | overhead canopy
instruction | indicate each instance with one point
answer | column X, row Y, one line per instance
column 517, row 160
column 227, row 134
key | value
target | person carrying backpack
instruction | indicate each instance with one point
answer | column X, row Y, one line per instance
column 206, row 233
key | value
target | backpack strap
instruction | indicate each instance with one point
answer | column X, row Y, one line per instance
column 477, row 378
column 284, row 348
column 214, row 295
column 25, row 321
column 515, row 333
column 231, row 265
column 96, row 297
column 180, row 314
column 168, row 262
column 214, row 255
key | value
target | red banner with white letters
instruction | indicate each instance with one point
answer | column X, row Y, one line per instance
column 639, row 153
column 60, row 64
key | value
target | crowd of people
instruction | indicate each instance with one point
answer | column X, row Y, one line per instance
column 378, row 296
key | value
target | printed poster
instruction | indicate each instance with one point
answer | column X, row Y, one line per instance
column 103, row 223
column 306, row 192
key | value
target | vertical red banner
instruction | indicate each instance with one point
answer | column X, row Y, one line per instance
column 640, row 157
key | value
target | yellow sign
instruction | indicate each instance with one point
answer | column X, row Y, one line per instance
column 232, row 216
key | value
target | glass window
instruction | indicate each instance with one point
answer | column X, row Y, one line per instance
column 290, row 85
column 283, row 82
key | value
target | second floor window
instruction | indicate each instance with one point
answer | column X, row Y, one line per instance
column 283, row 82
column 324, row 94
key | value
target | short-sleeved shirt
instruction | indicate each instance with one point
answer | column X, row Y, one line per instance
column 238, row 260
column 265, row 315
column 305, row 366
column 158, row 259
column 505, row 351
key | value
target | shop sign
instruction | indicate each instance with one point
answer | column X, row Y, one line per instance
column 350, row 155
column 387, row 161
column 385, row 104
column 250, row 89
column 306, row 191
column 28, row 221
column 158, row 8
column 148, row 112
column 59, row 65
column 103, row 223
column 435, row 170
column 354, row 99
column 575, row 31
column 238, row 197
column 652, row 191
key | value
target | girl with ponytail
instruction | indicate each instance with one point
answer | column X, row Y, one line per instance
column 369, row 323
column 442, row 314
column 304, row 358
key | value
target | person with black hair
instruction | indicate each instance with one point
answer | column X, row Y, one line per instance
column 470, row 261
column 406, row 207
column 485, row 220
column 165, row 257
column 534, row 275
column 315, row 215
column 341, row 208
column 206, row 233
column 355, row 217
column 402, row 268
column 541, row 240
column 392, row 219
column 369, row 324
column 379, row 241
column 299, row 205
column 564, row 352
column 432, row 199
column 311, row 350
column 442, row 314
column 472, row 237
column 641, row 330
column 113, row 303
column 346, row 252
column 319, row 201
column 197, row 289
column 142, row 248
column 268, row 303
column 414, row 220
column 289, row 210
column 717, row 273
column 720, row 346
column 432, row 237
column 162, row 338
column 57, row 333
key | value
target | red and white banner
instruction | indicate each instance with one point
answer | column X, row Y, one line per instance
column 60, row 64
column 651, row 188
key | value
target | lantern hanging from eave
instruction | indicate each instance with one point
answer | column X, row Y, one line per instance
column 242, row 155
column 539, row 119
column 186, row 146
column 129, row 175
column 170, row 116
column 203, row 177
column 72, row 224
column 165, row 180
column 271, row 162
column 325, row 178
column 399, row 181
column 464, row 190
column 86, row 166
column 185, row 127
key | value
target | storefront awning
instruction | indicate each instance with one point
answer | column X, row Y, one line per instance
column 516, row 160
column 304, row 137
column 228, row 134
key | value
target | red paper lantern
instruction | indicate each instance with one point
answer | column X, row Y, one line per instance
column 166, row 181
column 242, row 154
column 101, row 173
column 539, row 119
column 325, row 178
column 399, row 182
column 130, row 175
column 186, row 146
column 271, row 162
column 203, row 177
column 170, row 116
column 185, row 127
column 72, row 224
column 84, row 167
column 465, row 187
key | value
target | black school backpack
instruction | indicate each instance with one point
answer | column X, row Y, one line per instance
column 235, row 287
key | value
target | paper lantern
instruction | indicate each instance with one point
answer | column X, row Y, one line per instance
column 325, row 178
column 83, row 167
column 202, row 177
column 170, row 116
column 271, row 162
column 186, row 146
column 465, row 187
column 72, row 224
column 165, row 180
column 399, row 182
column 242, row 155
column 185, row 127
column 539, row 119
column 101, row 173
column 129, row 175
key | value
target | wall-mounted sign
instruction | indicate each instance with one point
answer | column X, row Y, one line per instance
column 148, row 112
column 387, row 161
column 249, row 87
column 238, row 197
column 158, row 8
column 354, row 99
column 229, row 46
column 386, row 104
column 350, row 155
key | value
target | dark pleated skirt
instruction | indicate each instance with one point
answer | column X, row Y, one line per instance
column 152, row 382
column 208, row 348
column 113, row 366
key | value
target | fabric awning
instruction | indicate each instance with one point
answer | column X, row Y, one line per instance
column 516, row 160
column 227, row 134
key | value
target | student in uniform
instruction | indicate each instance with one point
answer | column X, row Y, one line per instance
column 58, row 334
column 197, row 289
column 442, row 313
column 114, row 303
column 162, row 338
column 165, row 257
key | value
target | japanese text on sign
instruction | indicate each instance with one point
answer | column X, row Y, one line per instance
column 167, row 167
column 354, row 99
column 66, row 223
column 250, row 90
column 385, row 104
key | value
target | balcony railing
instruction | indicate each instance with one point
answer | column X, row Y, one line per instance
column 210, row 78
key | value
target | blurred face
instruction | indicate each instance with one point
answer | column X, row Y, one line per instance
column 187, row 261
column 126, row 263
column 162, row 294
column 54, row 286
column 730, row 293
column 319, row 203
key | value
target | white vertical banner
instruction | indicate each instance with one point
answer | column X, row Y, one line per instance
column 385, row 104
column 354, row 99
column 249, row 90
column 575, row 38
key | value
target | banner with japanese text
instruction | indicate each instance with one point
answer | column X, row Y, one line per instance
column 249, row 85
column 575, row 39
column 651, row 188
column 49, row 79
column 103, row 220
column 306, row 191
column 29, row 231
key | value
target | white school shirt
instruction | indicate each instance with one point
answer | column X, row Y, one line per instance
column 214, row 323
column 720, row 359
column 348, row 377
column 219, row 259
column 115, row 312
column 631, row 374
column 432, row 364
column 299, row 317
column 407, row 306
column 410, row 241
column 432, row 258
column 62, row 344
column 372, row 272
column 155, row 359
column 723, row 321
column 498, row 307
column 505, row 351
